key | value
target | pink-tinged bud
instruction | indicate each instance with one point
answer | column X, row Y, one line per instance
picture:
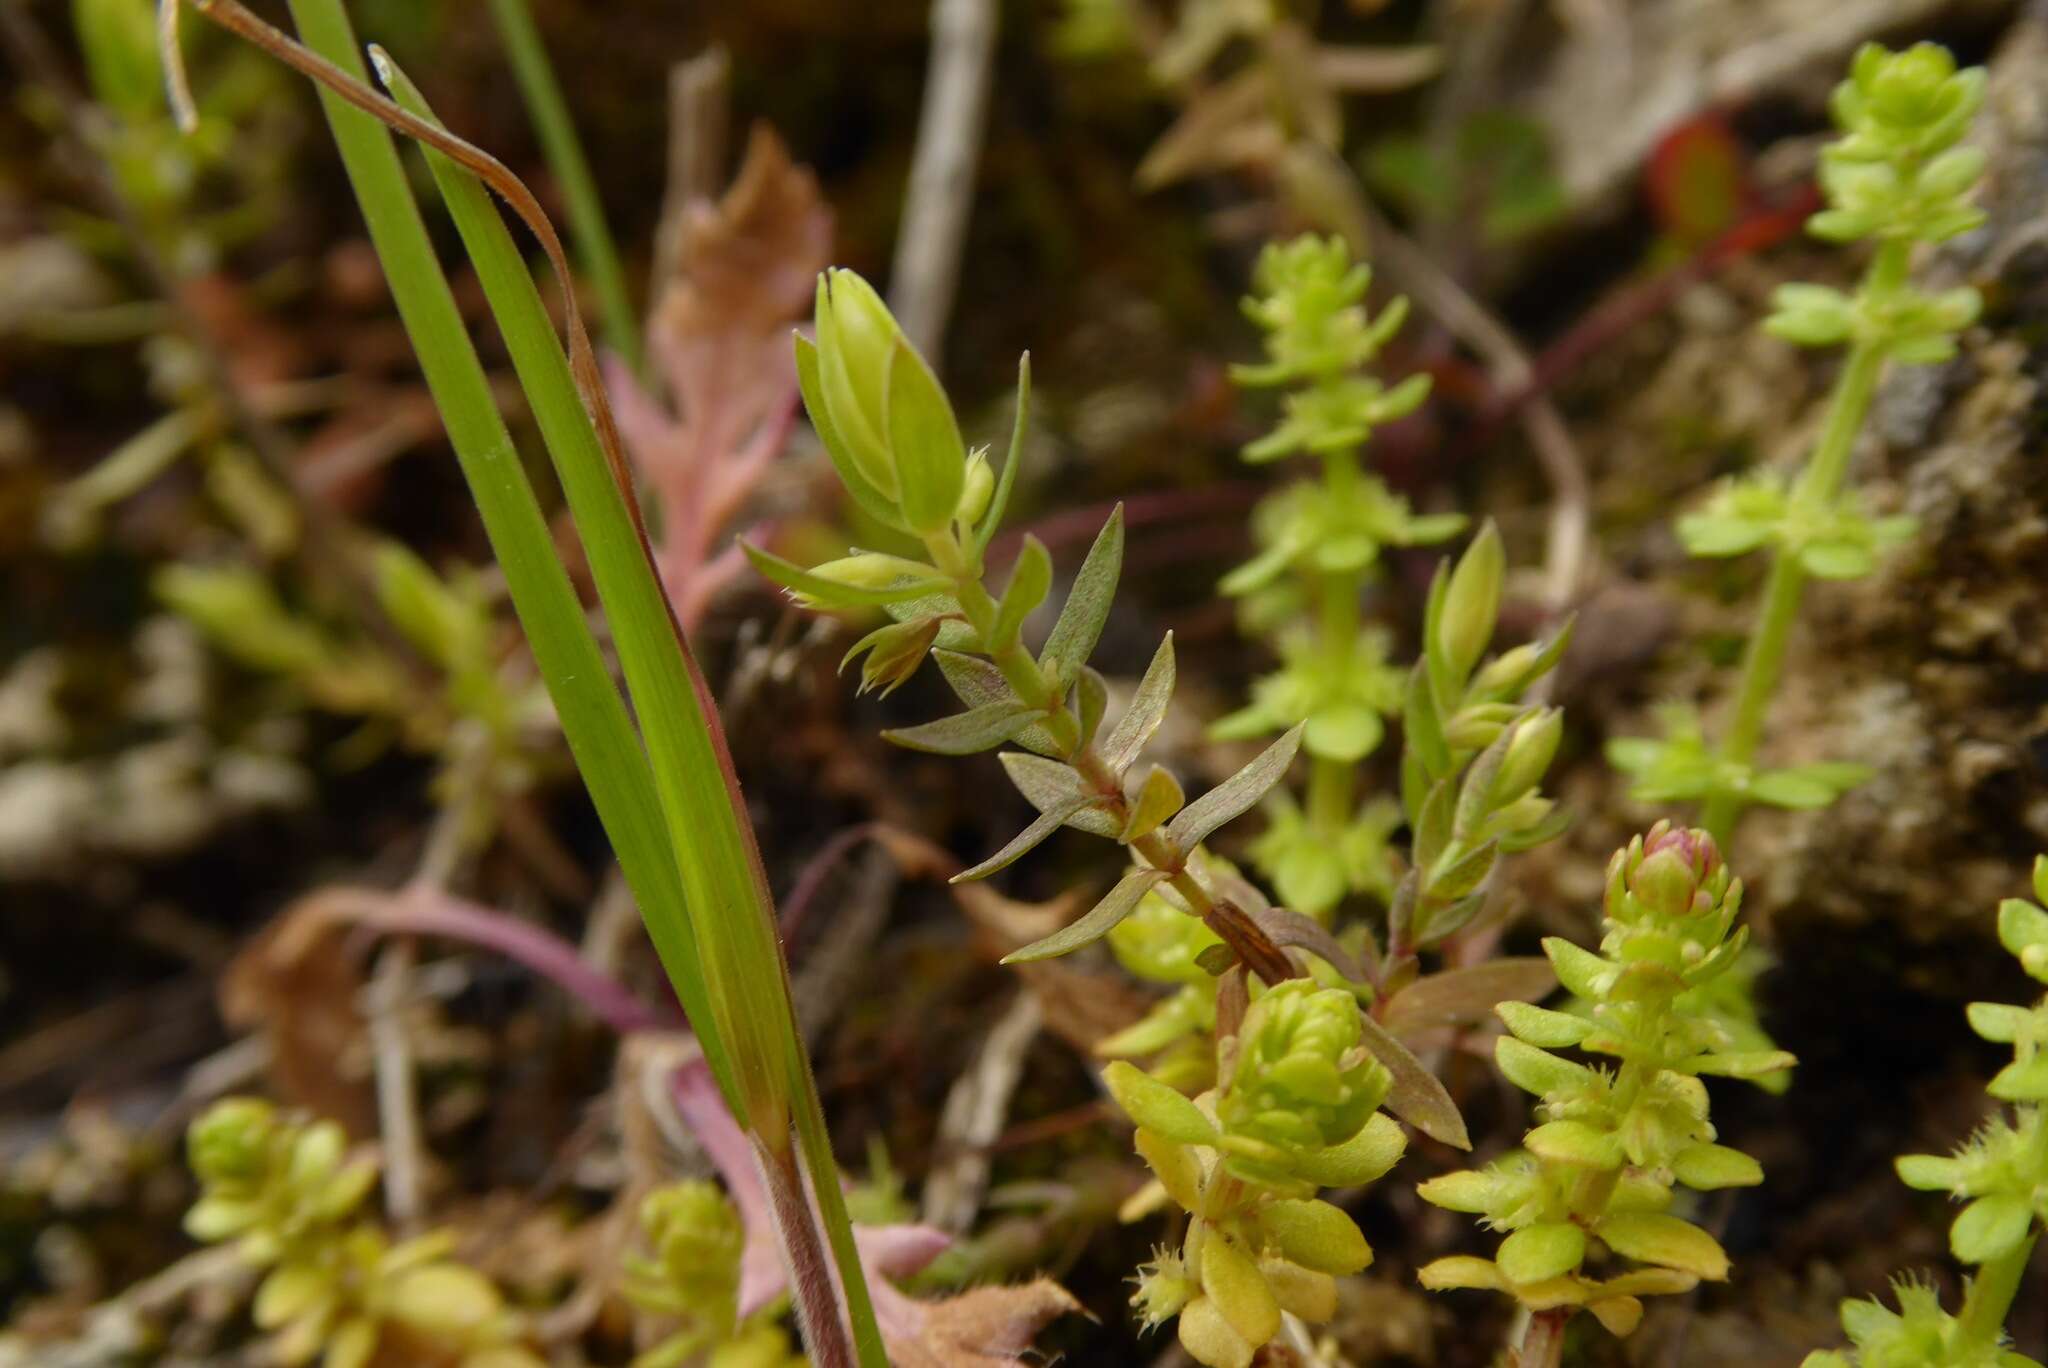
column 1691, row 844
column 1672, row 878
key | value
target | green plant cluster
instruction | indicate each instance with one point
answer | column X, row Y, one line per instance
column 289, row 1196
column 1475, row 759
column 1320, row 542
column 2001, row 1177
column 1900, row 175
column 1601, row 1169
column 691, row 1275
column 896, row 444
column 1297, row 1110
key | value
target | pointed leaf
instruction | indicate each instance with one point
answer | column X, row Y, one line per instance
column 830, row 592
column 1048, row 784
column 1073, row 637
column 1091, row 701
column 1030, row 580
column 1025, row 841
column 1143, row 716
column 1416, row 1096
column 1423, row 725
column 1235, row 795
column 1094, row 924
column 1467, row 994
column 999, row 502
column 1157, row 800
column 977, row 729
column 977, row 683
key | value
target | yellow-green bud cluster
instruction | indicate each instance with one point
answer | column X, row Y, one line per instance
column 1302, row 1081
column 1599, row 1169
column 693, row 1272
column 1296, row 1112
column 289, row 1195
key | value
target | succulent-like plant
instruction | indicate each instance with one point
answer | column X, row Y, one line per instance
column 2001, row 1177
column 1899, row 175
column 691, row 1275
column 1320, row 544
column 1600, row 1170
column 1296, row 1066
column 892, row 436
column 1296, row 1111
column 289, row 1196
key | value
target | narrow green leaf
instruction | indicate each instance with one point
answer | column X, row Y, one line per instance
column 1091, row 701
column 1030, row 579
column 594, row 719
column 710, row 838
column 1073, row 637
column 1094, row 924
column 831, row 593
column 1416, row 1096
column 1235, row 795
column 1025, row 841
column 1423, row 725
column 1048, row 784
column 978, row 683
column 999, row 502
column 1466, row 994
column 1146, row 711
column 977, row 729
column 1460, row 877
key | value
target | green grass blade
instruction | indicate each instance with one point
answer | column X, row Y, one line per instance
column 593, row 717
column 725, row 887
column 596, row 251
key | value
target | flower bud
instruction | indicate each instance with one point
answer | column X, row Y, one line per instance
column 1530, row 752
column 976, row 488
column 1674, row 875
column 893, row 653
column 856, row 338
column 230, row 1142
column 1303, row 1080
column 884, row 406
column 696, row 1240
column 1472, row 602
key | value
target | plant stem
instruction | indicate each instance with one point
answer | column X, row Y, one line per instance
column 596, row 250
column 1819, row 485
column 811, row 1287
column 1991, row 1295
column 1022, row 673
column 1543, row 1341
